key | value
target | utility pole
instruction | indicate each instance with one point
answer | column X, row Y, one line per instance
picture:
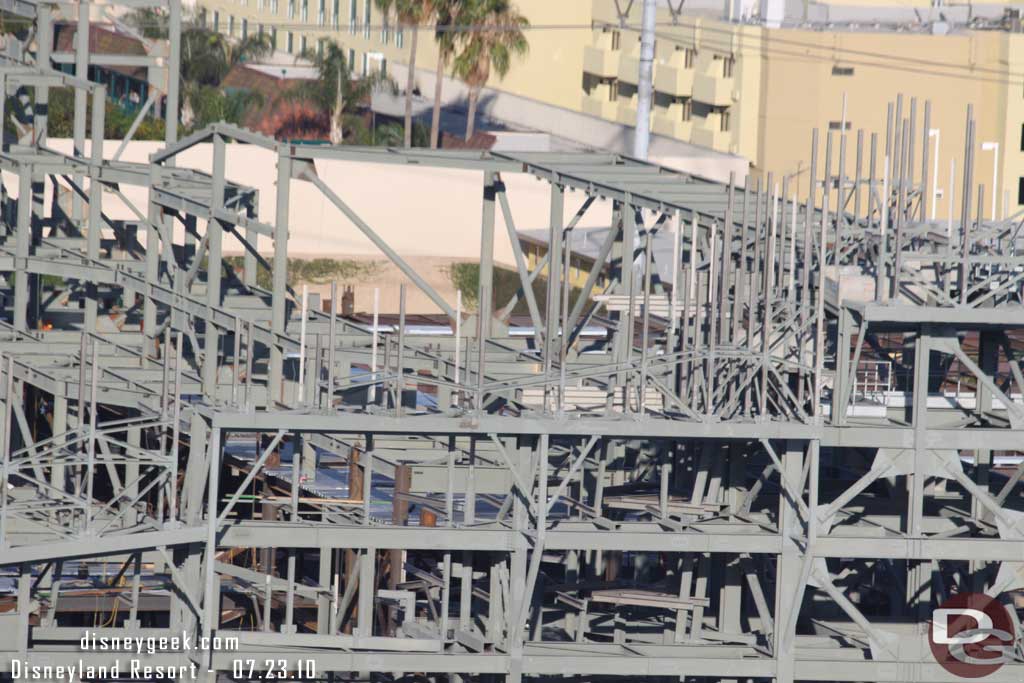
column 645, row 89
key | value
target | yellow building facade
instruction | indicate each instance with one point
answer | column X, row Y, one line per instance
column 736, row 88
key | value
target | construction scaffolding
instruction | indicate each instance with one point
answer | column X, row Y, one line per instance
column 773, row 466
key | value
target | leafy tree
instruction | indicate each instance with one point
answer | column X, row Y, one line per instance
column 335, row 91
column 117, row 121
column 410, row 13
column 497, row 38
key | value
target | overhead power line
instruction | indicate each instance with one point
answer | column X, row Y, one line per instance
column 765, row 45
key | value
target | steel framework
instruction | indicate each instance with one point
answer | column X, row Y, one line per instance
column 772, row 467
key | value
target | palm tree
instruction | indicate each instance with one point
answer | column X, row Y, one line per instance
column 206, row 58
column 334, row 91
column 496, row 38
column 447, row 14
column 409, row 14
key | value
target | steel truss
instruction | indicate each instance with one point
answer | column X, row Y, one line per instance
column 761, row 473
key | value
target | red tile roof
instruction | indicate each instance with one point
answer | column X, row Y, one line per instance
column 105, row 40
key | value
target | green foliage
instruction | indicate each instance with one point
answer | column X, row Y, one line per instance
column 15, row 25
column 389, row 134
column 211, row 104
column 466, row 277
column 407, row 11
column 207, row 56
column 151, row 22
column 334, row 91
column 117, row 121
column 310, row 271
column 448, row 13
column 206, row 59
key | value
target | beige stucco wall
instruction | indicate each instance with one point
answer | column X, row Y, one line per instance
column 551, row 72
column 418, row 211
column 430, row 216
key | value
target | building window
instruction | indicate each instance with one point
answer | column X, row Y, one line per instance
column 305, row 11
column 367, row 7
column 616, row 40
column 352, row 13
column 291, row 42
column 727, row 66
column 724, row 121
column 351, row 59
column 383, row 67
column 688, row 56
column 259, row 29
column 336, row 17
column 303, row 44
column 366, row 64
column 291, row 9
column 231, row 25
column 842, row 70
column 273, row 36
column 216, row 21
column 321, row 13
column 320, row 47
column 274, row 7
column 385, row 36
column 399, row 38
column 1022, row 137
column 1020, row 190
column 687, row 109
column 259, row 5
column 245, row 29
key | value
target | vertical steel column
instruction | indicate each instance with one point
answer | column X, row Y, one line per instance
column 81, row 101
column 23, row 242
column 215, row 232
column 44, row 47
column 486, row 283
column 965, row 204
column 918, row 579
column 278, row 312
column 211, row 596
column 623, row 343
column 153, row 242
column 173, row 71
column 552, row 345
column 790, row 580
column 60, row 428
column 92, row 244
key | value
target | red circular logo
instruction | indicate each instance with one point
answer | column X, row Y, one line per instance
column 971, row 635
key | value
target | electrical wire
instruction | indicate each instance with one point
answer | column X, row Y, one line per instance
column 764, row 45
column 1018, row 79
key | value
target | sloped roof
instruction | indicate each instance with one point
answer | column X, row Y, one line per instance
column 294, row 120
column 104, row 40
